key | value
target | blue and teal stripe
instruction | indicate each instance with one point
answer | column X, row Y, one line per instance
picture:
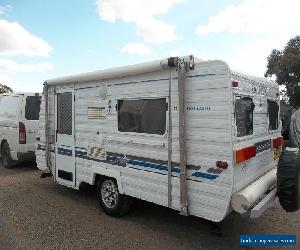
column 135, row 162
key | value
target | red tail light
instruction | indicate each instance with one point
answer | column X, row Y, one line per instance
column 222, row 164
column 235, row 83
column 245, row 154
column 278, row 142
column 22, row 133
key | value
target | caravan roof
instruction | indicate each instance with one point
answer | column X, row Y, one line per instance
column 116, row 72
column 135, row 69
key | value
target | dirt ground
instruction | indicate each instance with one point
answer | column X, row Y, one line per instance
column 36, row 213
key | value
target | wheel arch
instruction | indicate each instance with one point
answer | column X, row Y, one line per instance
column 101, row 174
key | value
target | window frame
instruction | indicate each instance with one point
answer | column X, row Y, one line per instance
column 143, row 134
column 245, row 137
column 278, row 114
column 25, row 107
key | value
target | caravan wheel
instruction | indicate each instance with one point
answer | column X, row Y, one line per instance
column 111, row 201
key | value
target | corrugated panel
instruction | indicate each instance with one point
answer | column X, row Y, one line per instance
column 40, row 155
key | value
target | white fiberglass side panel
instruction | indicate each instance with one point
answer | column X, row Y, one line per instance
column 142, row 158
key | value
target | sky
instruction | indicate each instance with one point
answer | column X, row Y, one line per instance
column 40, row 40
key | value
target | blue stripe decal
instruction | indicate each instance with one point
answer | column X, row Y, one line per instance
column 63, row 151
column 205, row 175
column 80, row 154
column 65, row 146
column 150, row 165
column 146, row 164
column 112, row 158
column 81, row 148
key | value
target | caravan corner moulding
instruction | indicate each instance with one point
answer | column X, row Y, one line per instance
column 183, row 133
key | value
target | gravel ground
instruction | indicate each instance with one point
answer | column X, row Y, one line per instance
column 36, row 213
column 6, row 237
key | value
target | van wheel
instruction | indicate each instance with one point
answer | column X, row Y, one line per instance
column 111, row 201
column 7, row 161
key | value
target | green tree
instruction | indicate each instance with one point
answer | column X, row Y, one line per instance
column 5, row 89
column 285, row 66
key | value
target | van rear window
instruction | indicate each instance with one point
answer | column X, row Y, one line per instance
column 32, row 108
column 273, row 109
column 244, row 107
column 142, row 116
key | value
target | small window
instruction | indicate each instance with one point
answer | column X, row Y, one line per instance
column 273, row 109
column 142, row 116
column 32, row 108
column 244, row 107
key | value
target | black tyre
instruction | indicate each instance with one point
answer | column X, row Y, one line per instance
column 7, row 161
column 111, row 201
column 288, row 179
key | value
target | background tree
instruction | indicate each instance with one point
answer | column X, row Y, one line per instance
column 285, row 66
column 5, row 89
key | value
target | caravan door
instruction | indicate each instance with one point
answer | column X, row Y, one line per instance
column 65, row 143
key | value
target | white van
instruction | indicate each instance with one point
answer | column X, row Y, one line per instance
column 19, row 116
column 191, row 135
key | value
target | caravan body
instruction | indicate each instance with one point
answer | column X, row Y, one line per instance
column 128, row 124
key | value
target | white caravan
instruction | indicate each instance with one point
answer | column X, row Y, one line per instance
column 19, row 118
column 183, row 133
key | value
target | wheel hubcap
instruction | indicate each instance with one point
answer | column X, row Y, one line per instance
column 109, row 193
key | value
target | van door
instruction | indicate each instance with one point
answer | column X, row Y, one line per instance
column 65, row 149
column 32, row 110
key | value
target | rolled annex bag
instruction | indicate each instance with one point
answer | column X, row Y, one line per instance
column 288, row 179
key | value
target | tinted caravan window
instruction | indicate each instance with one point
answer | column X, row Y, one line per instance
column 244, row 107
column 142, row 116
column 273, row 109
column 32, row 108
